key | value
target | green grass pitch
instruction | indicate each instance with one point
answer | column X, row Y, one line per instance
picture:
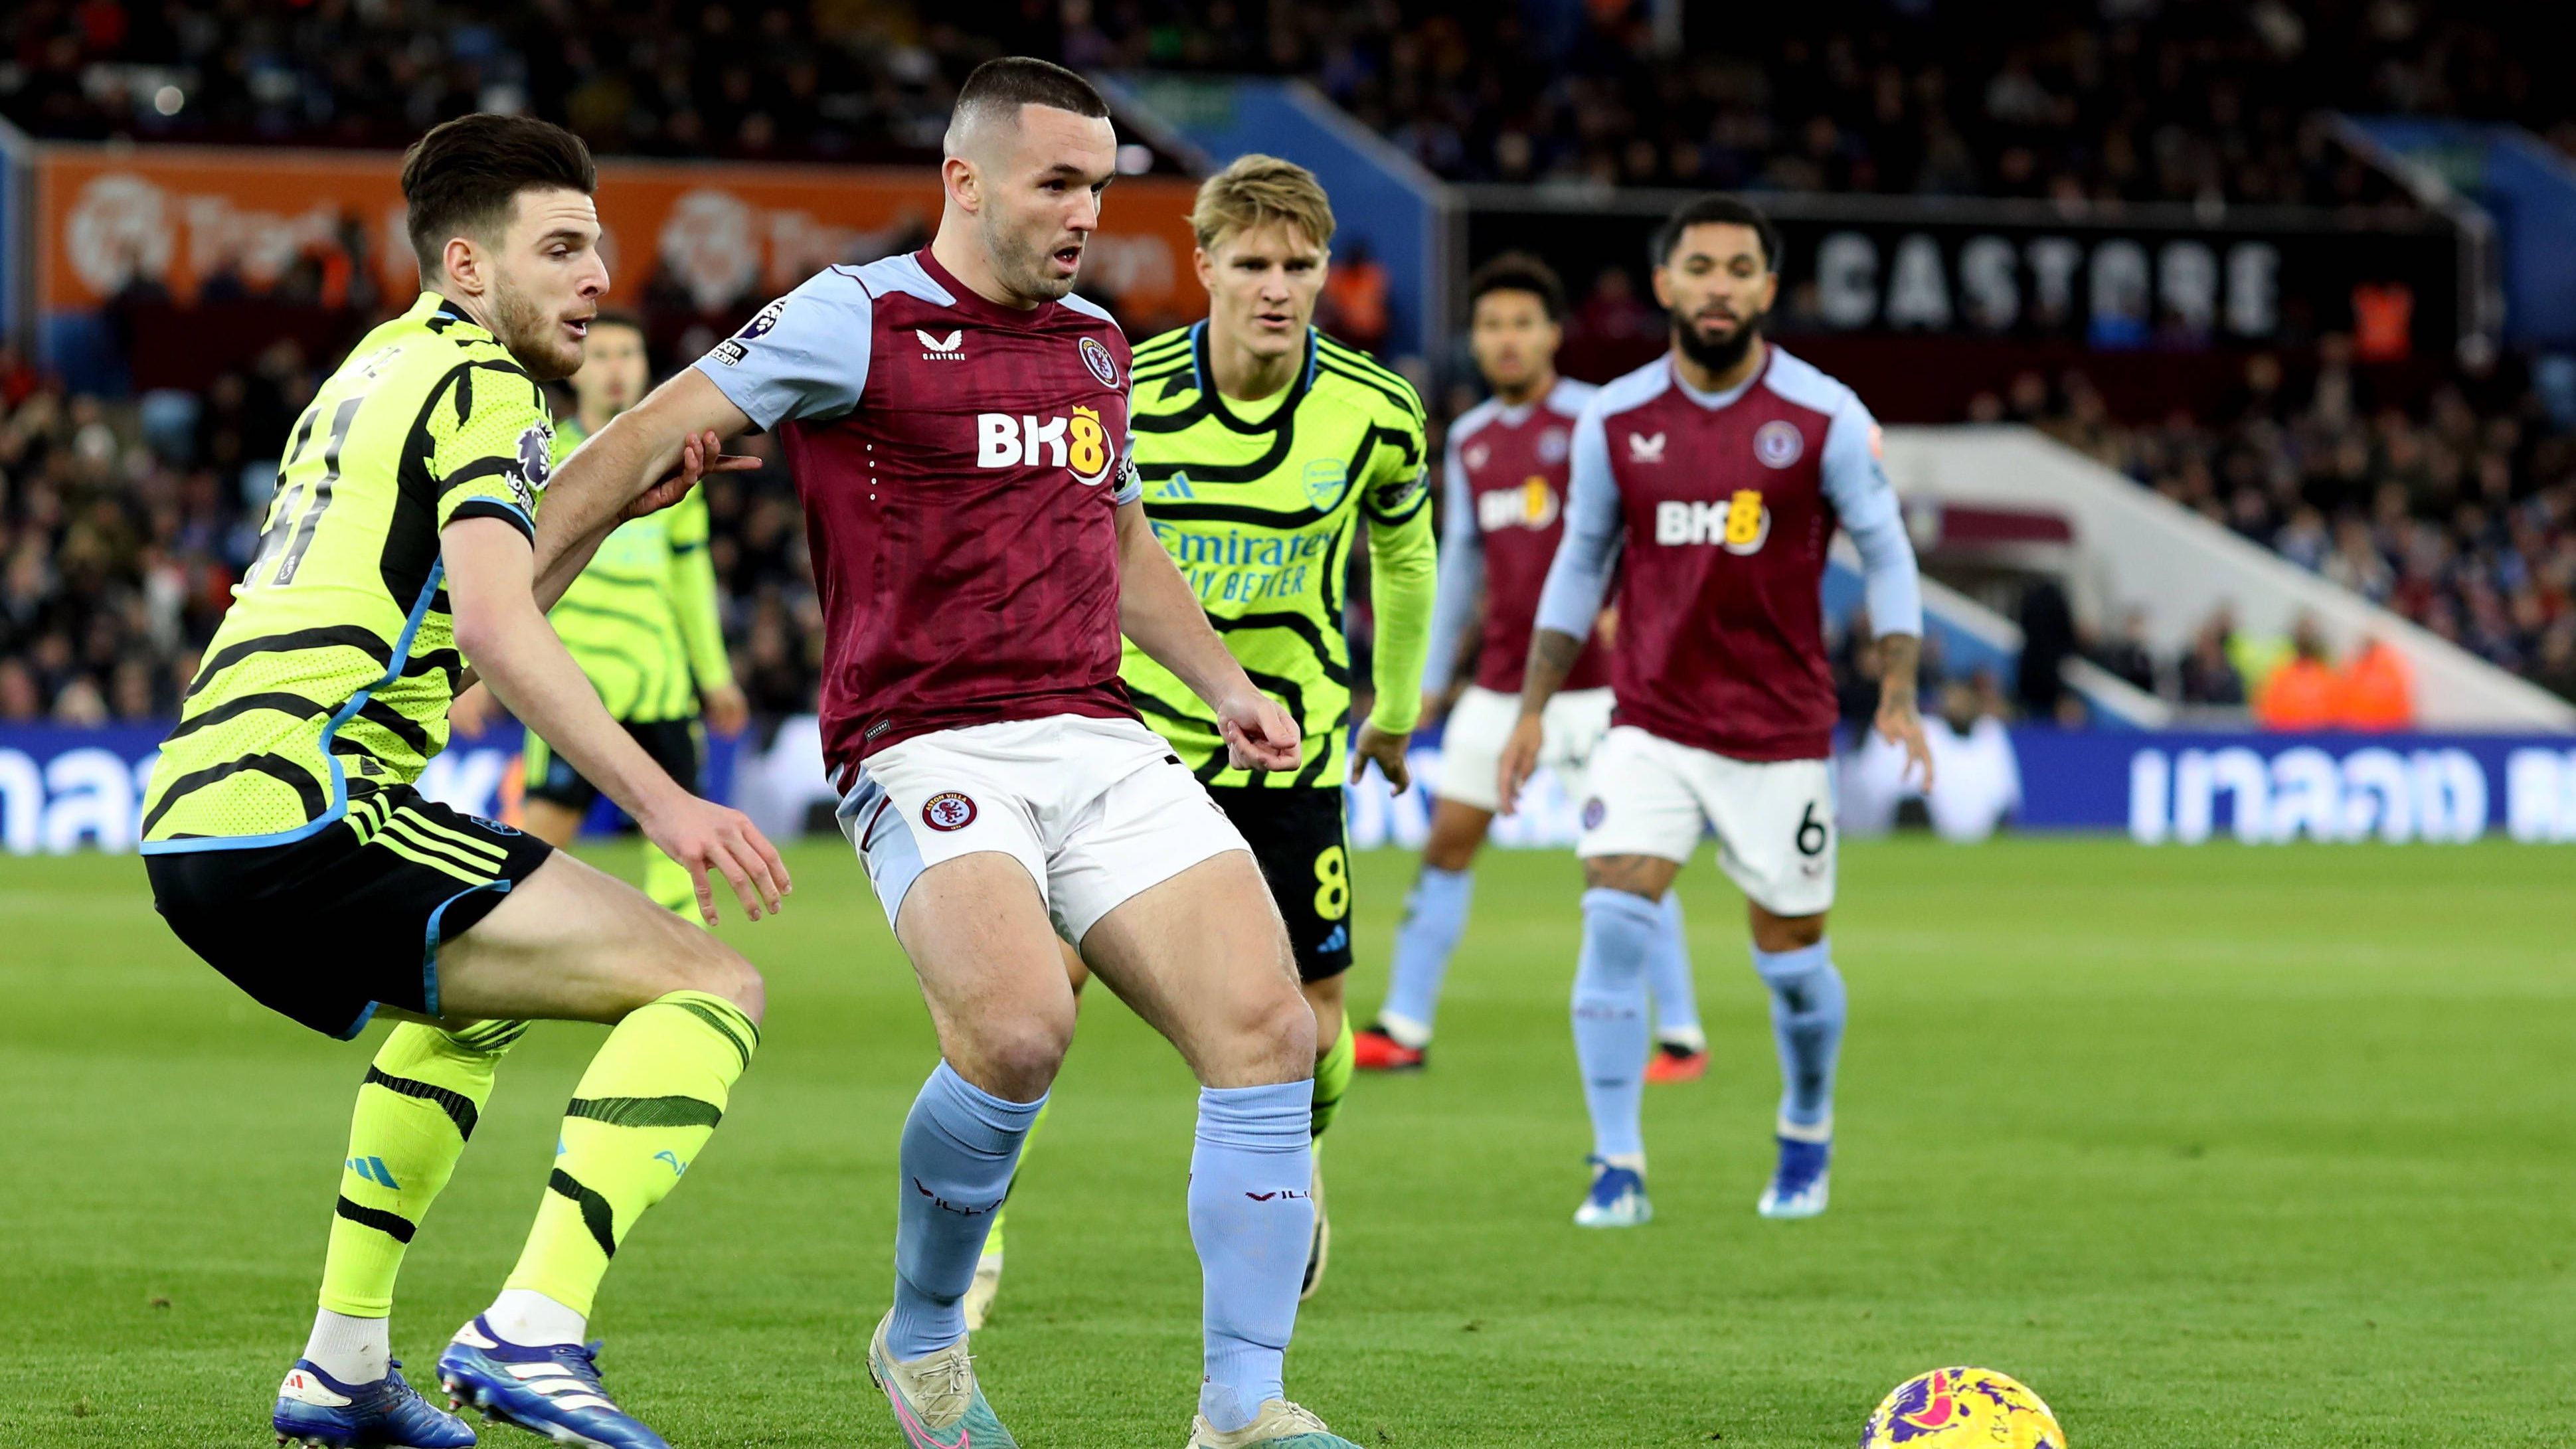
column 2217, row 1147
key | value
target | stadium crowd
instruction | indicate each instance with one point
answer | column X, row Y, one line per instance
column 2461, row 516
column 122, row 529
column 2129, row 100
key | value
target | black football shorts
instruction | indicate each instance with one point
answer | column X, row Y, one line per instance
column 1298, row 836
column 325, row 929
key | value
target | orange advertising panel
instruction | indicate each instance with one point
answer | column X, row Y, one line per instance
column 719, row 234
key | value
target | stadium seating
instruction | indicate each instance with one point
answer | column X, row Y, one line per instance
column 2189, row 102
column 2462, row 518
column 120, row 529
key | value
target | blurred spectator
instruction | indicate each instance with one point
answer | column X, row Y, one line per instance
column 19, row 701
column 1355, row 298
column 2206, row 676
column 2303, row 692
column 1613, row 312
column 2555, row 668
column 2376, row 690
column 2127, row 654
column 2047, row 640
column 2459, row 514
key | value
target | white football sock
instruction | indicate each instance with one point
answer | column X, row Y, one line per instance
column 531, row 1320
column 352, row 1350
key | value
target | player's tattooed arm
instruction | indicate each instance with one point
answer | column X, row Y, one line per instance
column 1551, row 658
column 1157, row 610
column 1552, row 654
column 1900, row 716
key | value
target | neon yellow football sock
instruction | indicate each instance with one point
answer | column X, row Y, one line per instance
column 993, row 1239
column 667, row 882
column 416, row 1108
column 646, row 1105
column 1333, row 1078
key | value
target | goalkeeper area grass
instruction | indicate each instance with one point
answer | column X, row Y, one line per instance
column 2224, row 1146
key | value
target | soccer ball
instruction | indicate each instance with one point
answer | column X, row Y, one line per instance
column 1962, row 1408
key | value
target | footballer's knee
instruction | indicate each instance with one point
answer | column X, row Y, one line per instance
column 1266, row 1034
column 717, row 969
column 1280, row 1043
column 745, row 989
column 1449, row 855
column 1014, row 1054
column 1456, row 831
column 1784, row 933
column 1637, row 875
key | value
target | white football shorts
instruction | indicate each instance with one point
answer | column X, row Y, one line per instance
column 1480, row 724
column 1097, row 810
column 1774, row 818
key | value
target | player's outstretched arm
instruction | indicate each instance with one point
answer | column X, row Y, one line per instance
column 1158, row 611
column 647, row 458
column 571, row 555
column 499, row 628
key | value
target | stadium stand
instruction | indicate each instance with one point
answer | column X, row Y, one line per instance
column 2460, row 516
column 2118, row 101
column 2127, row 100
column 121, row 528
column 746, row 80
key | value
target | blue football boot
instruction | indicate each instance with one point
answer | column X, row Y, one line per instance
column 1617, row 1198
column 315, row 1408
column 553, row 1390
column 1798, row 1187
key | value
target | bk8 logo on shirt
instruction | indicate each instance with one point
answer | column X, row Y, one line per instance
column 1741, row 524
column 1532, row 505
column 1012, row 440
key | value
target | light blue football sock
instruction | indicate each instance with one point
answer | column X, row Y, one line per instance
column 1610, row 1036
column 1435, row 916
column 1250, row 1218
column 960, row 1145
column 1668, row 975
column 1807, row 1020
